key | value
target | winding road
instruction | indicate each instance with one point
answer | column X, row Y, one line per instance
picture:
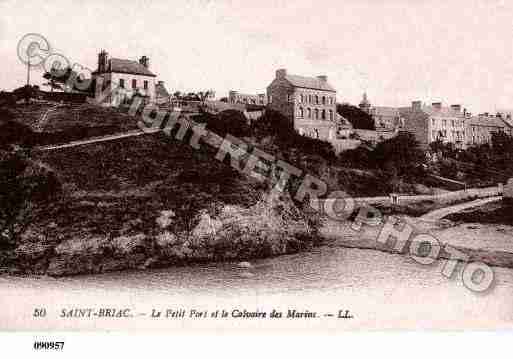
column 443, row 212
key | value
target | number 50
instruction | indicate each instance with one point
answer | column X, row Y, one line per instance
column 39, row 313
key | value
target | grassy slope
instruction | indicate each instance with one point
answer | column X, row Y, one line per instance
column 119, row 187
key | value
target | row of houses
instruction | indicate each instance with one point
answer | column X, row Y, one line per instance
column 310, row 104
column 438, row 122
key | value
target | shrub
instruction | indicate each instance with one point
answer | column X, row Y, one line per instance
column 358, row 118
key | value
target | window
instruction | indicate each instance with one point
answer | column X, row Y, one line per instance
column 301, row 98
column 122, row 83
column 324, row 100
column 145, row 85
column 316, row 112
column 301, row 112
column 452, row 123
column 309, row 98
column 444, row 123
column 134, row 83
column 331, row 115
column 323, row 114
column 433, row 122
column 309, row 112
column 316, row 99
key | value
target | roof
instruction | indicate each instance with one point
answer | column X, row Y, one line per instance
column 160, row 90
column 128, row 67
column 385, row 111
column 490, row 121
column 432, row 111
column 309, row 82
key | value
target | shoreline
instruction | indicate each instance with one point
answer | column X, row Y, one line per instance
column 140, row 252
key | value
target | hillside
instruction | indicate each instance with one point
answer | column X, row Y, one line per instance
column 146, row 201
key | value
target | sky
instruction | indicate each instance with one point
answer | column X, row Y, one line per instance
column 398, row 51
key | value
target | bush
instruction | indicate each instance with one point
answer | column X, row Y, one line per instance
column 273, row 124
column 14, row 133
column 22, row 182
column 229, row 121
column 358, row 118
column 402, row 153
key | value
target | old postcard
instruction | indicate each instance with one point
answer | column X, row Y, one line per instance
column 305, row 166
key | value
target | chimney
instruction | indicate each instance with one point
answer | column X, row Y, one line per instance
column 281, row 73
column 323, row 78
column 456, row 108
column 161, row 82
column 145, row 61
column 437, row 105
column 103, row 57
column 416, row 105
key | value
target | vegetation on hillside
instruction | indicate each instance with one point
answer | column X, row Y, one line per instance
column 484, row 164
column 358, row 118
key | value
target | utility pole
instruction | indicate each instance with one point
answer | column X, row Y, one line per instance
column 28, row 73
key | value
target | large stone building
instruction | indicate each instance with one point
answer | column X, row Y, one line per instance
column 235, row 97
column 480, row 128
column 435, row 123
column 309, row 103
column 123, row 79
column 385, row 118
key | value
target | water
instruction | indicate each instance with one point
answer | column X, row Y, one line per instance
column 381, row 290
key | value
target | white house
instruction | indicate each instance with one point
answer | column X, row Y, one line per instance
column 122, row 79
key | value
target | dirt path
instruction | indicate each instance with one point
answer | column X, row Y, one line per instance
column 441, row 213
column 44, row 118
column 98, row 139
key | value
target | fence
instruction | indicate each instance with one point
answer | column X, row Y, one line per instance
column 448, row 197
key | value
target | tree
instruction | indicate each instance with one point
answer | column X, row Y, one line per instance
column 26, row 92
column 203, row 96
column 358, row 118
column 58, row 79
column 402, row 153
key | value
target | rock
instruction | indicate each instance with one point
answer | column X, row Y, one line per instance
column 79, row 246
column 166, row 239
column 245, row 265
column 127, row 244
column 32, row 251
column 206, row 226
column 246, row 275
column 165, row 219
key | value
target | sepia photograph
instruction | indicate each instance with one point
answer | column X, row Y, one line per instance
column 293, row 167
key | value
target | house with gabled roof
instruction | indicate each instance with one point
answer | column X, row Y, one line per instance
column 122, row 79
column 481, row 128
column 308, row 102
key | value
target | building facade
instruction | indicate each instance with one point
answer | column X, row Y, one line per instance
column 480, row 128
column 435, row 123
column 385, row 118
column 122, row 79
column 308, row 102
column 162, row 95
column 235, row 97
